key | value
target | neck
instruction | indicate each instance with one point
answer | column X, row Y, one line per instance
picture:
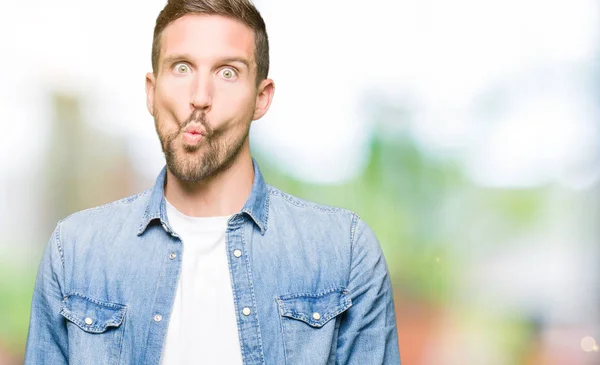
column 220, row 195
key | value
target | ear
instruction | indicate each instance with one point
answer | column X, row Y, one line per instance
column 150, row 87
column 266, row 90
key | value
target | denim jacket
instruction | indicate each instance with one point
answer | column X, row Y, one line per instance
column 313, row 278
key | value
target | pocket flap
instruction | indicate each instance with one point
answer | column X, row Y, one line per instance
column 314, row 309
column 92, row 315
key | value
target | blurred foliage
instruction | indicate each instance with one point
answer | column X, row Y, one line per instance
column 16, row 289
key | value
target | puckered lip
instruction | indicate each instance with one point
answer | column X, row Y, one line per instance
column 195, row 129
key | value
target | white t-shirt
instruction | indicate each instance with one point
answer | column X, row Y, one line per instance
column 203, row 326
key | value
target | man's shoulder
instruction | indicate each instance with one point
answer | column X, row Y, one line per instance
column 122, row 210
column 282, row 200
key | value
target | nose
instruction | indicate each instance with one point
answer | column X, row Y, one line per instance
column 202, row 91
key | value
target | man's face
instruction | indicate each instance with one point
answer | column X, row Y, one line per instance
column 204, row 95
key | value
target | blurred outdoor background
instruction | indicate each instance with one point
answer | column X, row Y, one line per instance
column 466, row 133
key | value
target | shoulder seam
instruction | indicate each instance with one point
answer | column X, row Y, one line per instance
column 353, row 227
column 59, row 246
column 126, row 200
column 273, row 191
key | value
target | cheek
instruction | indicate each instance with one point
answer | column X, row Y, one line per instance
column 234, row 101
column 169, row 110
column 171, row 97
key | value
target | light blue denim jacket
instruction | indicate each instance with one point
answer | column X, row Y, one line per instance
column 313, row 277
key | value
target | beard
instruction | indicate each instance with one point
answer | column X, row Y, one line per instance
column 188, row 162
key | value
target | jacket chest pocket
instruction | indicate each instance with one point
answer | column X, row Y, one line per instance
column 95, row 329
column 309, row 325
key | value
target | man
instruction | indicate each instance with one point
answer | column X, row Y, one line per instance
column 211, row 265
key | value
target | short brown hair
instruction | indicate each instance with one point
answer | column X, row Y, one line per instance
column 241, row 10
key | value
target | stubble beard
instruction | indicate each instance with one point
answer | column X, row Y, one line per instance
column 186, row 164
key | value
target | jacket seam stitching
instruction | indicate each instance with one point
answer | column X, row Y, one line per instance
column 353, row 228
column 266, row 210
column 281, row 327
column 59, row 245
column 313, row 295
column 122, row 336
column 149, row 333
column 294, row 201
column 250, row 279
column 112, row 305
column 123, row 201
column 236, row 299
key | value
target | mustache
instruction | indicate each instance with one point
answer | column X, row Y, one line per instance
column 197, row 116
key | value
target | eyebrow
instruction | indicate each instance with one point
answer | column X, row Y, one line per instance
column 241, row 60
column 183, row 57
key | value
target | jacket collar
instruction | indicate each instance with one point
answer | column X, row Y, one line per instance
column 256, row 207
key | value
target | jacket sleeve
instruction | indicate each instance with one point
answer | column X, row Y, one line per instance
column 367, row 333
column 47, row 337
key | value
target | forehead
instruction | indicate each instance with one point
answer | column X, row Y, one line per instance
column 207, row 36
